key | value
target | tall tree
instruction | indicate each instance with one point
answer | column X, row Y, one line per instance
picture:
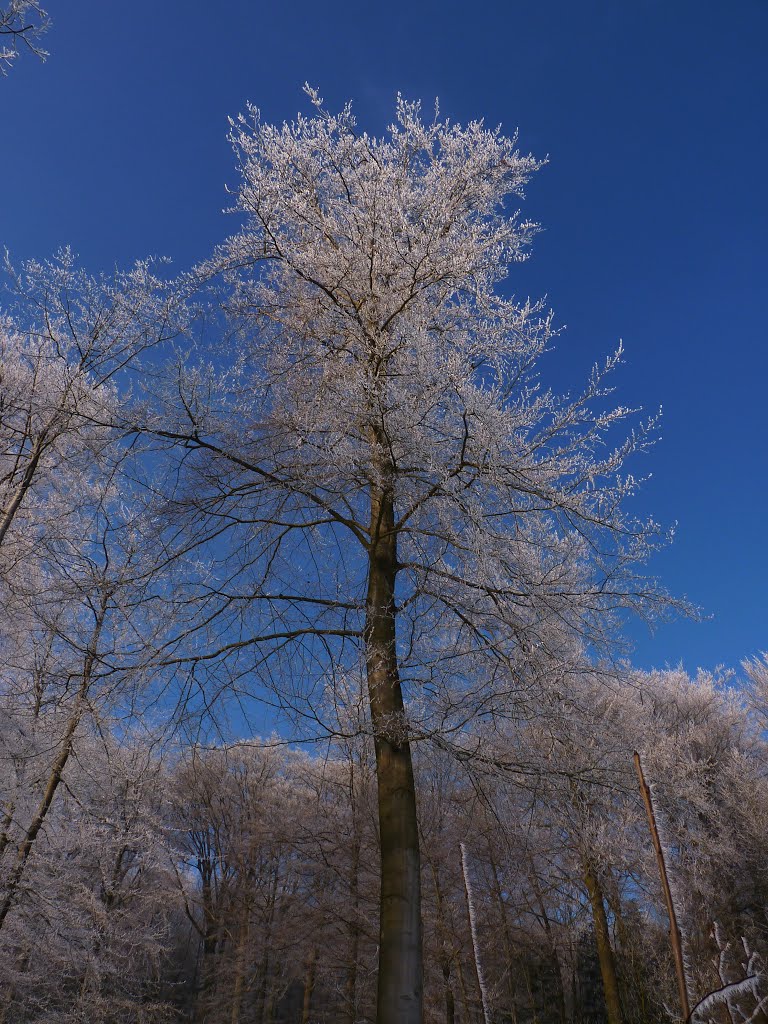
column 402, row 500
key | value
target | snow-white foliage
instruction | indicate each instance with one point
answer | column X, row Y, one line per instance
column 744, row 999
column 22, row 22
column 374, row 346
column 63, row 338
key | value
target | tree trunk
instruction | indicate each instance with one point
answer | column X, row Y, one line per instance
column 399, row 998
column 508, row 949
column 448, row 950
column 10, row 997
column 263, row 1004
column 309, row 985
column 26, row 482
column 5, row 835
column 350, row 987
column 531, row 997
column 206, row 977
column 462, row 986
column 559, row 979
column 450, row 1002
column 604, row 951
column 57, row 769
column 238, row 987
column 675, row 938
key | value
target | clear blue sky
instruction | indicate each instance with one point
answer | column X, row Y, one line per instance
column 654, row 203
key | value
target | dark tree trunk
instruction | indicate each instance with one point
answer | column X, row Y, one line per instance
column 510, row 959
column 243, row 936
column 558, row 969
column 604, row 951
column 450, row 1002
column 206, row 980
column 24, row 485
column 350, row 987
column 309, row 986
column 5, row 835
column 263, row 1005
column 79, row 708
column 400, row 943
column 448, row 950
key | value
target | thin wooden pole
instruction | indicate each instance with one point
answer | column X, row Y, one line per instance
column 675, row 937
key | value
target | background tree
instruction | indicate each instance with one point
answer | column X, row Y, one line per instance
column 22, row 22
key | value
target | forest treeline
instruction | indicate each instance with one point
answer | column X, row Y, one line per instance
column 316, row 486
column 240, row 882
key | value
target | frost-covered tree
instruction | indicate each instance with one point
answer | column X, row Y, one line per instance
column 756, row 670
column 77, row 575
column 88, row 928
column 65, row 337
column 22, row 22
column 82, row 624
column 401, row 497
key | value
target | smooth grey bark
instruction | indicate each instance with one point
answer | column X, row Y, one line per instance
column 479, row 975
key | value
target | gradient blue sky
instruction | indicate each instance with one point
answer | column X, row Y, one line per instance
column 654, row 202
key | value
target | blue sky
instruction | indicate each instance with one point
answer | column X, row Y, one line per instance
column 654, row 202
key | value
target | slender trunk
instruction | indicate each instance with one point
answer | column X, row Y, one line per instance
column 10, row 997
column 269, row 1017
column 448, row 952
column 207, row 972
column 399, row 998
column 238, row 987
column 309, row 986
column 450, row 1002
column 91, row 983
column 260, row 1014
column 473, row 934
column 462, row 986
column 629, row 957
column 5, row 835
column 604, row 951
column 24, row 484
column 57, row 769
column 509, row 956
column 675, row 937
column 263, row 1007
column 559, row 980
column 531, row 997
column 25, row 847
column 350, row 987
